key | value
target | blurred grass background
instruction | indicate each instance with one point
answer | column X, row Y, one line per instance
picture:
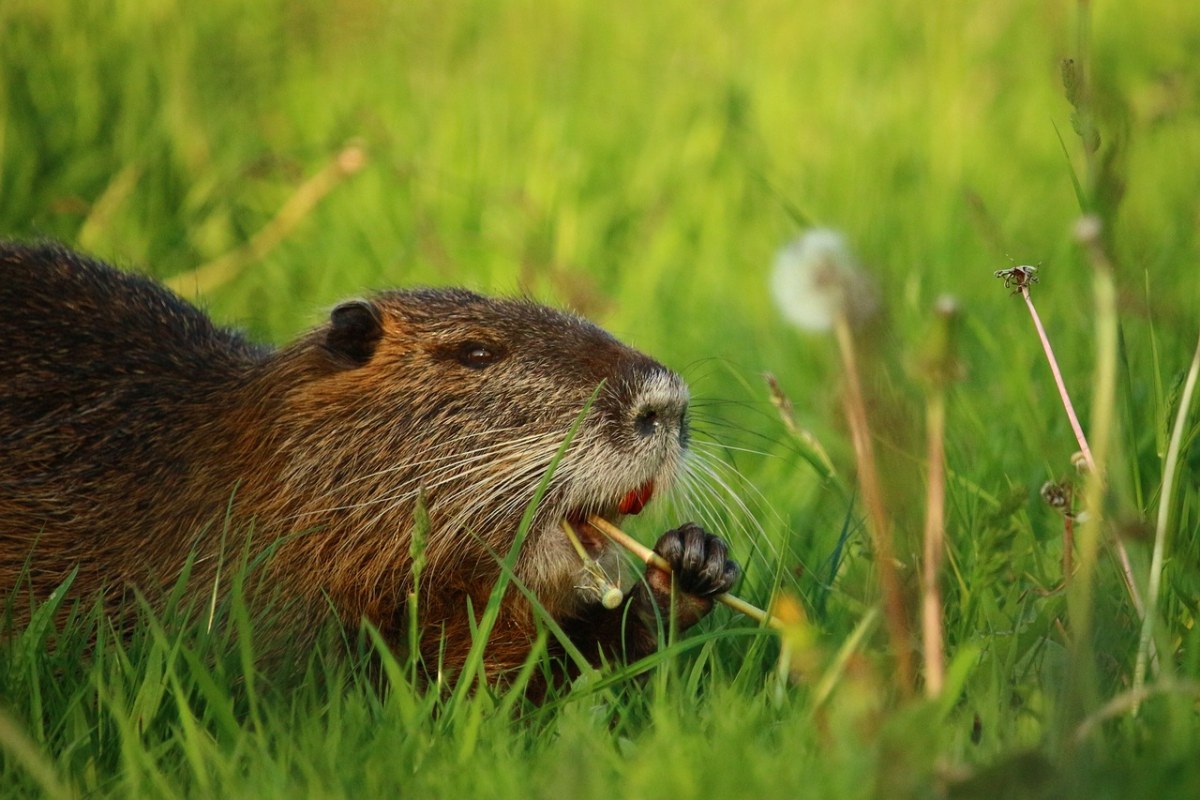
column 642, row 163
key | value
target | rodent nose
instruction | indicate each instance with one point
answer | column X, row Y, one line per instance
column 647, row 422
column 661, row 406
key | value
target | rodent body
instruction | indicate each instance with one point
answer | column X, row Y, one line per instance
column 134, row 434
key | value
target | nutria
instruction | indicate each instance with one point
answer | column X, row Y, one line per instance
column 134, row 434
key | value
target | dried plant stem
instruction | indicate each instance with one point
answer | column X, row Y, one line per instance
column 935, row 545
column 651, row 558
column 1129, row 701
column 224, row 268
column 1146, row 654
column 812, row 450
column 119, row 189
column 1068, row 558
column 868, row 478
column 1058, row 381
column 573, row 538
column 1073, row 418
column 610, row 594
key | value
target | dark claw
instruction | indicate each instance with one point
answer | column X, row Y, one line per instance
column 699, row 560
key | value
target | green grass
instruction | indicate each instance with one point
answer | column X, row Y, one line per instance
column 643, row 164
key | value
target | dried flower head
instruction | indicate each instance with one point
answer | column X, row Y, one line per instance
column 1018, row 278
column 1057, row 496
column 816, row 279
column 938, row 362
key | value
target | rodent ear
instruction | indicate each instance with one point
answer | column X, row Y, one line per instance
column 355, row 328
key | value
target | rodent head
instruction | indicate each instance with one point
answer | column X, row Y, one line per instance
column 465, row 400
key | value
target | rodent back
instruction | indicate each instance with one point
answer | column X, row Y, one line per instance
column 109, row 388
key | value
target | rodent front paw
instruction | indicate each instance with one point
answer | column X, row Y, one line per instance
column 699, row 560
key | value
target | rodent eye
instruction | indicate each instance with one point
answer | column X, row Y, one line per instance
column 477, row 355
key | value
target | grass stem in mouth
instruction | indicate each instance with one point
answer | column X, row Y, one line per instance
column 611, row 595
column 653, row 559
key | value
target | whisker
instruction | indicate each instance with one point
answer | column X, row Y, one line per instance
column 718, row 447
column 479, row 462
column 481, row 452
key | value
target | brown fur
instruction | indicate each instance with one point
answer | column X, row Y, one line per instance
column 131, row 426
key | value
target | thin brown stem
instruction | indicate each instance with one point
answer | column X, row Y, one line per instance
column 224, row 268
column 1073, row 418
column 1058, row 381
column 1068, row 558
column 935, row 546
column 868, row 477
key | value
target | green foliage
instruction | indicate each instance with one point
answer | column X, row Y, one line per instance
column 643, row 164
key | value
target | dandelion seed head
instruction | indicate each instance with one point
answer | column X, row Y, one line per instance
column 816, row 278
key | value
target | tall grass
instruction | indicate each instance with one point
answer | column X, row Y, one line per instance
column 643, row 164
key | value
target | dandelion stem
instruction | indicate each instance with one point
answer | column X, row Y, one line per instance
column 941, row 366
column 1170, row 467
column 935, row 545
column 653, row 559
column 868, row 476
column 1122, row 553
column 573, row 538
column 610, row 594
column 1058, row 381
column 1068, row 557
